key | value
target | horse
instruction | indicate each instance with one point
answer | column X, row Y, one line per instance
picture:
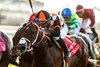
column 89, row 42
column 5, row 50
column 80, row 59
column 38, row 49
column 93, row 47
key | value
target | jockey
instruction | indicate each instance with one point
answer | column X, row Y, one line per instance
column 51, row 22
column 71, row 20
column 86, row 14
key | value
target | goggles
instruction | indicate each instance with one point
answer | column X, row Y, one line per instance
column 42, row 20
column 66, row 17
column 80, row 12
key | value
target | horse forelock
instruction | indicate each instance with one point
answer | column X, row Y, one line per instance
column 24, row 26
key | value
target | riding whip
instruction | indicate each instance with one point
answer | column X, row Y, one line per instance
column 31, row 5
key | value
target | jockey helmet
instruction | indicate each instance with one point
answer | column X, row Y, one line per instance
column 42, row 16
column 66, row 12
column 79, row 8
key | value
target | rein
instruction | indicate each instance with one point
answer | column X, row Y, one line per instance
column 37, row 35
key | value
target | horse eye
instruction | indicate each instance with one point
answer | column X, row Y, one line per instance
column 27, row 29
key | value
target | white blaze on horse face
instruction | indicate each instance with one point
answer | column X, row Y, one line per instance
column 22, row 41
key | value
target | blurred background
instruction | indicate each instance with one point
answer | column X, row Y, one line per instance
column 14, row 13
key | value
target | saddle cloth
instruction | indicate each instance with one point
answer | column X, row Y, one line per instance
column 72, row 46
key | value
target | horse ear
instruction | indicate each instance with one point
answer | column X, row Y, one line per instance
column 24, row 24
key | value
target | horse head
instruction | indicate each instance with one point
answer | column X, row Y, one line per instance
column 31, row 36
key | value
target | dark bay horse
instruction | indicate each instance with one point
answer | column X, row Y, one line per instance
column 41, row 52
column 5, row 58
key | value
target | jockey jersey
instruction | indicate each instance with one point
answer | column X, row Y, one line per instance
column 88, row 14
column 74, row 23
column 54, row 25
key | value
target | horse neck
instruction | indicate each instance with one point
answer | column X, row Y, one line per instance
column 40, row 50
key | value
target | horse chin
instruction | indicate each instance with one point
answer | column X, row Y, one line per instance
column 22, row 50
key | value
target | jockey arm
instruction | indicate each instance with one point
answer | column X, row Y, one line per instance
column 92, row 19
column 75, row 23
column 56, row 28
column 91, row 16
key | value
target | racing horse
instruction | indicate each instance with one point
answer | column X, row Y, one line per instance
column 80, row 59
column 5, row 50
column 37, row 49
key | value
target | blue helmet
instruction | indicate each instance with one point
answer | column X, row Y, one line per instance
column 66, row 12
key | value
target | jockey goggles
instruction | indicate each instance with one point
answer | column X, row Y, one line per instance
column 42, row 20
column 80, row 12
column 66, row 17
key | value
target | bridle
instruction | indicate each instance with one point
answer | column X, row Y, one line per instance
column 35, row 41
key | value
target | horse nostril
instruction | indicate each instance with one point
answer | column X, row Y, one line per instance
column 22, row 46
